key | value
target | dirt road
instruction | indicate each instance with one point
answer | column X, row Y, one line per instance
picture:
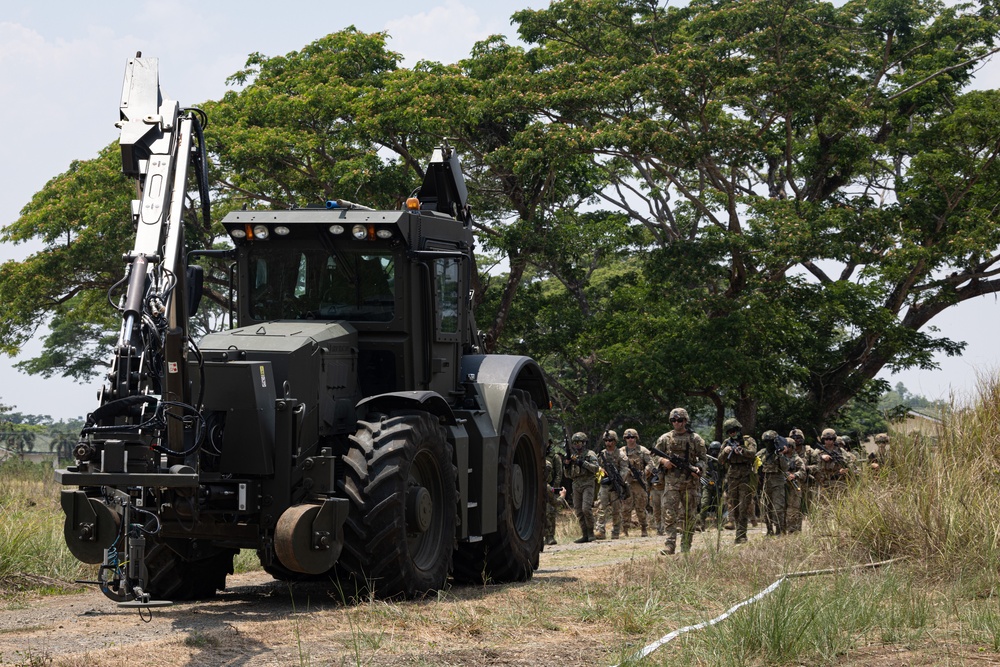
column 258, row 621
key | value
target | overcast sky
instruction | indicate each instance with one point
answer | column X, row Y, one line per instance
column 61, row 68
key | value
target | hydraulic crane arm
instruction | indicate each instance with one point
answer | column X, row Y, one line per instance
column 159, row 142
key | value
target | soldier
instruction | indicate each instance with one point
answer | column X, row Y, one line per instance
column 711, row 486
column 882, row 442
column 682, row 470
column 738, row 454
column 639, row 461
column 774, row 469
column 581, row 466
column 554, row 475
column 795, row 488
column 613, row 487
column 835, row 463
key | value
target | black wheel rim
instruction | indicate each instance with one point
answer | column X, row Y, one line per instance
column 425, row 545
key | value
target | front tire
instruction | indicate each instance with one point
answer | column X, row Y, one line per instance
column 511, row 553
column 400, row 530
column 195, row 574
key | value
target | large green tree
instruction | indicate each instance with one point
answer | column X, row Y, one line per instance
column 817, row 185
column 728, row 204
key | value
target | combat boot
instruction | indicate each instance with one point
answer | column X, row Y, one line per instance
column 600, row 536
column 586, row 538
column 668, row 549
column 645, row 533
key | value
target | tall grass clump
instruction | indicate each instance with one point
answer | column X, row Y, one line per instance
column 32, row 546
column 937, row 500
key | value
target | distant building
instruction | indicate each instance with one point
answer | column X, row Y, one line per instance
column 915, row 422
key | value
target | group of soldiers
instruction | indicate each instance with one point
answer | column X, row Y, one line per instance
column 679, row 484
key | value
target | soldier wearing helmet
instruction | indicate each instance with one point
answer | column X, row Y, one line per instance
column 581, row 466
column 639, row 463
column 610, row 498
column 877, row 460
column 835, row 462
column 738, row 454
column 795, row 500
column 774, row 470
column 682, row 468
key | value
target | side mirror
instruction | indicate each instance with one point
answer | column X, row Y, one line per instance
column 195, row 287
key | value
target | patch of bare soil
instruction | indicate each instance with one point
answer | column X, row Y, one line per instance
column 258, row 621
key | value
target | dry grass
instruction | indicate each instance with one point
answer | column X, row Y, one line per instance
column 937, row 506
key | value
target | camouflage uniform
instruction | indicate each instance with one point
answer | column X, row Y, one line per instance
column 876, row 461
column 810, row 455
column 802, row 451
column 738, row 454
column 794, row 491
column 553, row 479
column 639, row 461
column 608, row 500
column 682, row 487
column 774, row 469
column 581, row 466
column 832, row 472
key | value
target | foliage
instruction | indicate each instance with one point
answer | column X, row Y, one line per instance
column 82, row 219
column 31, row 535
column 808, row 175
column 736, row 206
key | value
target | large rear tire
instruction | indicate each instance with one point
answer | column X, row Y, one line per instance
column 400, row 531
column 511, row 553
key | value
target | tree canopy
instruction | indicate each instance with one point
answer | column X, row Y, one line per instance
column 732, row 205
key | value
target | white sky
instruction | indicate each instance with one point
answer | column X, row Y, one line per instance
column 61, row 68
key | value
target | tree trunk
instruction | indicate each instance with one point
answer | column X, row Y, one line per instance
column 746, row 411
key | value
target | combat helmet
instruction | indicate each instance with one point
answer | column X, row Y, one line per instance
column 882, row 439
column 679, row 413
column 630, row 432
column 828, row 433
column 769, row 435
column 579, row 436
column 731, row 424
column 611, row 435
column 797, row 435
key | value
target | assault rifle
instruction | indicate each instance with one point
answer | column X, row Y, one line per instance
column 793, row 467
column 679, row 462
column 637, row 476
column 735, row 447
column 834, row 454
column 615, row 475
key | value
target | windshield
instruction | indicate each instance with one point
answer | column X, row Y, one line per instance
column 294, row 283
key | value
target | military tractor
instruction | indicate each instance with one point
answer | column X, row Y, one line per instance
column 348, row 426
